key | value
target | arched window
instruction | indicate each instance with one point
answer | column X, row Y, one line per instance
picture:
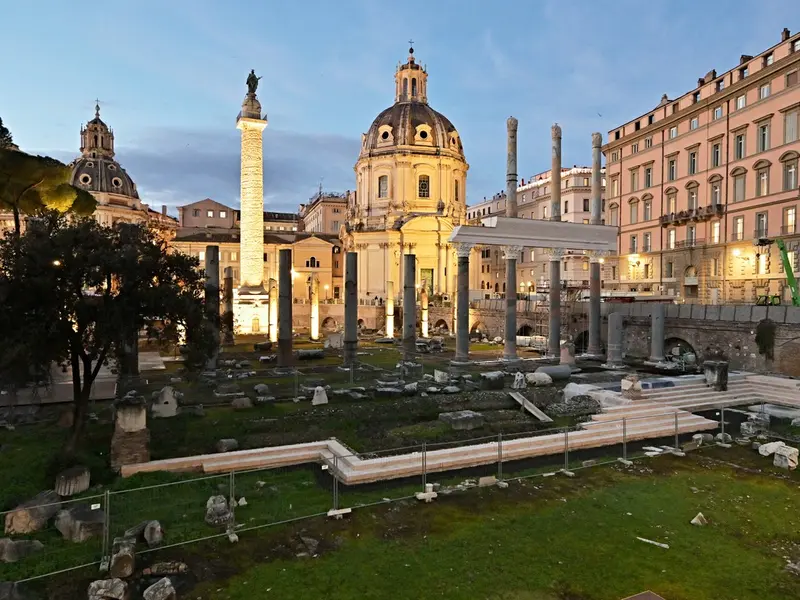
column 312, row 262
column 383, row 186
column 424, row 186
column 405, row 87
column 691, row 195
column 634, row 210
column 95, row 139
column 455, row 188
column 739, row 175
column 614, row 210
column 414, row 86
column 789, row 160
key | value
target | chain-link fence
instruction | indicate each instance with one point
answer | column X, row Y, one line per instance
column 51, row 535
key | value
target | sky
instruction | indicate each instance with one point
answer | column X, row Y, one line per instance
column 170, row 77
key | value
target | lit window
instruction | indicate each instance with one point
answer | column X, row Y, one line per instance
column 201, row 255
column 670, row 240
column 672, row 202
column 741, row 102
column 762, row 182
column 715, row 232
column 763, row 91
column 738, row 229
column 223, row 214
column 673, row 132
column 692, row 163
column 716, row 155
column 789, row 220
column 234, row 256
column 648, row 142
column 210, row 214
column 672, row 169
column 383, row 186
column 718, row 113
column 694, row 123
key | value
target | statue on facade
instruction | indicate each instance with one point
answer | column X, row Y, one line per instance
column 252, row 82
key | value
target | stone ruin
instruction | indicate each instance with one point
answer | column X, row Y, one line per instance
column 130, row 443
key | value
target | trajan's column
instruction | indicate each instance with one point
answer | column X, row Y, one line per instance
column 252, row 301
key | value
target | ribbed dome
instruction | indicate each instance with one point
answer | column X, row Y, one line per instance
column 102, row 175
column 398, row 126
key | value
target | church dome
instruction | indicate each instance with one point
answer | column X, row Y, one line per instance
column 413, row 123
column 96, row 170
column 410, row 121
column 102, row 175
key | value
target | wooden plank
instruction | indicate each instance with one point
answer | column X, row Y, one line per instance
column 530, row 407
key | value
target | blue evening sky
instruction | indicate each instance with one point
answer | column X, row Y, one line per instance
column 170, row 76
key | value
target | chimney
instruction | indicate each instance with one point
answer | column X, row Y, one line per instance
column 744, row 58
column 164, row 209
column 785, row 34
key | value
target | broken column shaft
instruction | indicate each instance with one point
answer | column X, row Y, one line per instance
column 350, row 307
column 284, row 307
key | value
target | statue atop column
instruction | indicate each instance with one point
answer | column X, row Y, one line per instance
column 252, row 82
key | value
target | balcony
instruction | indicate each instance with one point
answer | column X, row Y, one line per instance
column 737, row 236
column 702, row 213
column 690, row 243
column 789, row 229
column 760, row 233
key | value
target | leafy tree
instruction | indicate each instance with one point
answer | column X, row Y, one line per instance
column 30, row 184
column 74, row 292
column 6, row 141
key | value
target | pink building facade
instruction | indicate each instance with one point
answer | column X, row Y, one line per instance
column 702, row 185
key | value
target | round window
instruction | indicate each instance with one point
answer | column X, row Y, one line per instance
column 85, row 179
column 423, row 134
column 111, row 167
column 453, row 141
column 385, row 135
column 116, row 182
column 90, row 164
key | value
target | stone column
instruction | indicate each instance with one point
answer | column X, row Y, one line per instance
column 390, row 309
column 554, row 336
column 511, row 252
column 615, row 326
column 350, row 307
column 656, row 332
column 423, row 305
column 314, row 325
column 273, row 310
column 285, row 307
column 409, row 306
column 595, row 343
column 227, row 308
column 462, row 303
column 212, row 300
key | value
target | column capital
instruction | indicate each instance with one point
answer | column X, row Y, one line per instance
column 463, row 249
column 512, row 252
column 596, row 256
column 555, row 254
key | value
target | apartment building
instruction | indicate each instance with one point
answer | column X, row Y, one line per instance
column 325, row 212
column 211, row 214
column 487, row 274
column 703, row 184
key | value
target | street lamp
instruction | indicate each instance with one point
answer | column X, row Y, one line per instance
column 327, row 287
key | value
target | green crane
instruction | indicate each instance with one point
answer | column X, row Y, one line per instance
column 787, row 267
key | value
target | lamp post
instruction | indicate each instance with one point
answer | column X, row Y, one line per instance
column 327, row 287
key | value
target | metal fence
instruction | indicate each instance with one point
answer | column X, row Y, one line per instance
column 263, row 498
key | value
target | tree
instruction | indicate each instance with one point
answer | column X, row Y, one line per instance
column 30, row 184
column 72, row 293
column 6, row 141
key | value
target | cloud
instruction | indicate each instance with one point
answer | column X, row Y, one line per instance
column 176, row 167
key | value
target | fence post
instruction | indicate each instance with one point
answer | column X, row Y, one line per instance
column 106, row 557
column 424, row 465
column 566, row 449
column 232, row 490
column 499, row 457
column 677, row 443
column 624, row 438
column 335, row 483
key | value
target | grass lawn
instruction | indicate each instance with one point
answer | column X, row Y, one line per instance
column 557, row 539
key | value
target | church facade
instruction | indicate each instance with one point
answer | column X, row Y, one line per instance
column 411, row 179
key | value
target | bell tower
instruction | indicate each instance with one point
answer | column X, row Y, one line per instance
column 97, row 140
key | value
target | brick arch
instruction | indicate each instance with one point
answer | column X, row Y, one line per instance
column 692, row 345
column 525, row 329
column 329, row 324
column 479, row 326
